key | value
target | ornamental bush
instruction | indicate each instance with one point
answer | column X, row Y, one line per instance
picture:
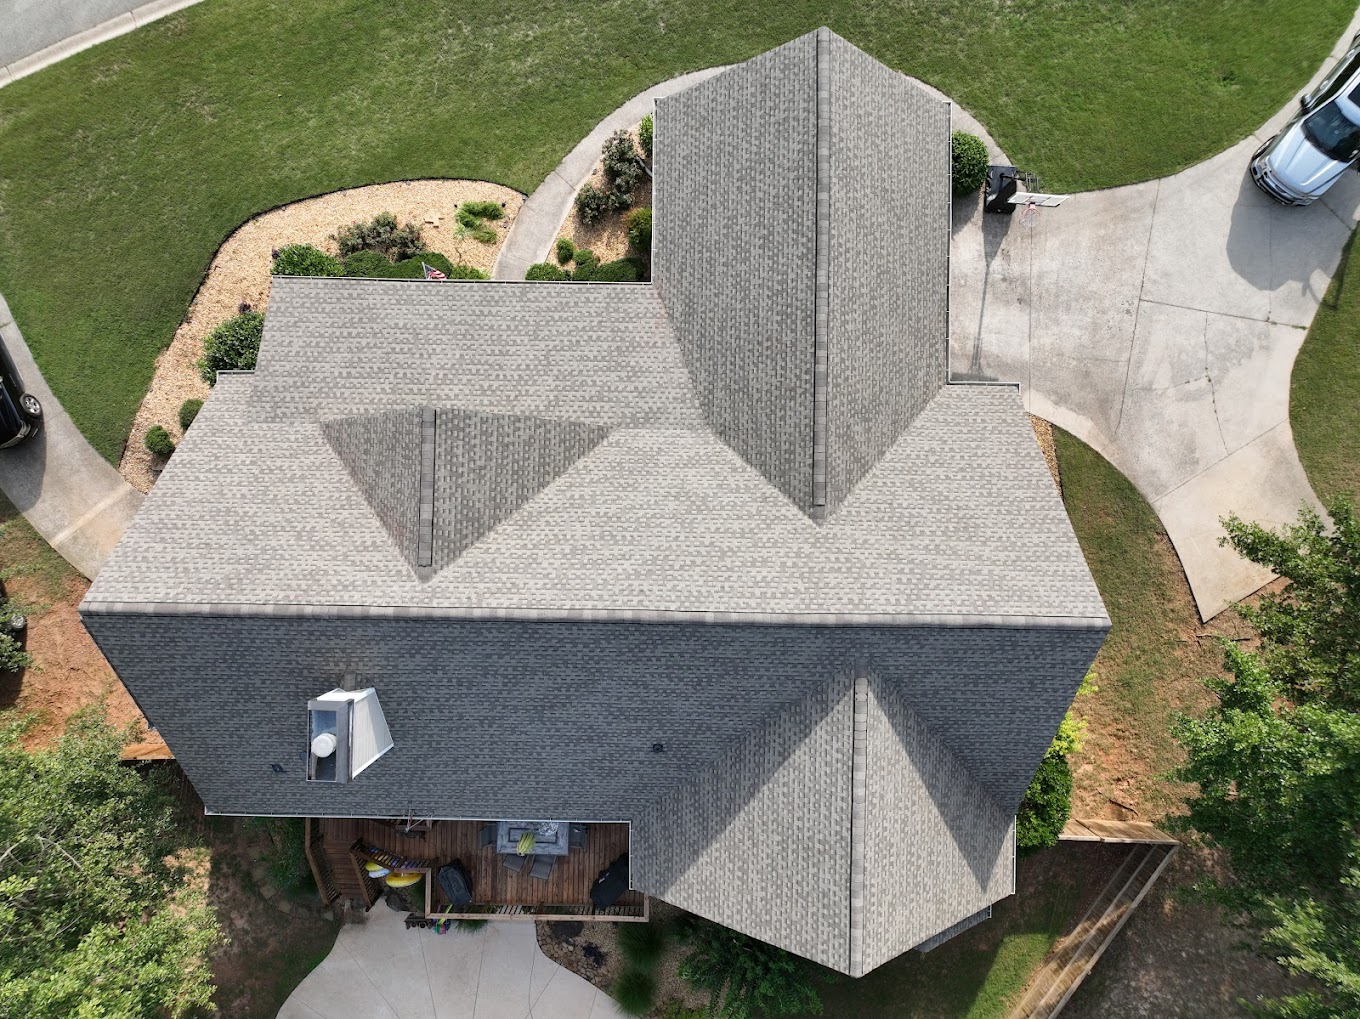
column 970, row 159
column 592, row 202
column 564, row 250
column 12, row 655
column 619, row 155
column 623, row 270
column 159, row 442
column 546, row 272
column 232, row 346
column 746, row 978
column 642, row 944
column 305, row 260
column 188, row 410
column 645, row 135
column 640, row 231
column 1047, row 805
column 381, row 234
column 480, row 210
column 635, row 991
column 366, row 263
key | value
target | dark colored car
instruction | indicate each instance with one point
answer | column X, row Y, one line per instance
column 20, row 412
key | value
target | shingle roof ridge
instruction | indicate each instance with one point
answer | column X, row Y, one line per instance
column 961, row 620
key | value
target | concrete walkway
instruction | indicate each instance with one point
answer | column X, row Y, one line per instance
column 535, row 228
column 37, row 33
column 380, row 970
column 1159, row 323
column 70, row 494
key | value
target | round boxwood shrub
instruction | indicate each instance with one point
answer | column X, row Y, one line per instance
column 232, row 346
column 367, row 263
column 592, row 203
column 1047, row 805
column 635, row 992
column 640, row 231
column 305, row 260
column 464, row 272
column 969, row 161
column 188, row 410
column 159, row 442
column 546, row 271
column 564, row 250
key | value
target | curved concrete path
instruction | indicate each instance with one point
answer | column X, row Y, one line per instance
column 380, row 970
column 536, row 224
column 71, row 495
column 1159, row 323
column 37, row 33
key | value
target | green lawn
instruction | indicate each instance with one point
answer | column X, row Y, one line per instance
column 977, row 974
column 1324, row 395
column 1152, row 661
column 123, row 168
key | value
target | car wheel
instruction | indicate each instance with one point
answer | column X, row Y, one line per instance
column 30, row 405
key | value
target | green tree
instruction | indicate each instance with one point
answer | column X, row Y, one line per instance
column 1277, row 760
column 97, row 919
column 746, row 978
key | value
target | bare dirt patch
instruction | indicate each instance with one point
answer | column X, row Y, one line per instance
column 239, row 274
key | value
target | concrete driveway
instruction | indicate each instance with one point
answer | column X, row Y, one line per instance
column 1159, row 323
column 380, row 970
column 70, row 494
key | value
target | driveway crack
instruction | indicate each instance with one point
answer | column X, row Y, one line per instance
column 1213, row 392
column 1137, row 307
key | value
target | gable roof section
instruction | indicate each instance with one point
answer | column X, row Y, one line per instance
column 842, row 830
column 815, row 330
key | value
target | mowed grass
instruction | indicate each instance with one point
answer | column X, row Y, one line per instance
column 979, row 973
column 1156, row 654
column 123, row 168
column 1324, row 394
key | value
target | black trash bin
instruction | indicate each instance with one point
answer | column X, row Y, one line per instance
column 1002, row 182
column 612, row 882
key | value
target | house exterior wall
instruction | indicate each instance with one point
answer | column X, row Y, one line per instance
column 557, row 719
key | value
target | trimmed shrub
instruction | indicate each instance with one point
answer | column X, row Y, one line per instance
column 564, row 250
column 188, row 410
column 592, row 202
column 624, row 270
column 645, row 135
column 414, row 268
column 471, row 926
column 367, row 263
column 232, row 346
column 642, row 944
column 1047, row 805
column 585, row 259
column 480, row 210
column 381, row 233
column 305, row 260
column 970, row 159
column 640, row 231
column 546, row 272
column 635, row 991
column 159, row 442
column 619, row 155
column 464, row 272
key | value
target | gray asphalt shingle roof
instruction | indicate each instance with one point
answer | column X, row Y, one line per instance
column 739, row 511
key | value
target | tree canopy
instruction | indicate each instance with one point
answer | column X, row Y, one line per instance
column 1277, row 760
column 98, row 919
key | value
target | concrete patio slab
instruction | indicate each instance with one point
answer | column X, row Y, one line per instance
column 382, row 970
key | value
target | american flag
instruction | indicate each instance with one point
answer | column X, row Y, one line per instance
column 431, row 273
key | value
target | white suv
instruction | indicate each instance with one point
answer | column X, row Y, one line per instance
column 1319, row 143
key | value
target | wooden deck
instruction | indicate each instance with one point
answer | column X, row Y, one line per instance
column 566, row 891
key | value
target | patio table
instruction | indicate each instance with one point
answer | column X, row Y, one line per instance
column 550, row 837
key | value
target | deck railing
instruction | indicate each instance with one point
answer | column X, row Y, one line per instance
column 319, row 862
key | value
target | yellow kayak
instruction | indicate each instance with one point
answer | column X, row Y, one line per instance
column 376, row 869
column 403, row 879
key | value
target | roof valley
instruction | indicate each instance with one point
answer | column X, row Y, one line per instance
column 859, row 797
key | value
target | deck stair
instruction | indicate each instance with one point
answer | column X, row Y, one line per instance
column 1076, row 953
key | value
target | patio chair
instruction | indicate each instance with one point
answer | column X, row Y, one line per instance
column 486, row 836
column 515, row 862
column 543, row 866
column 576, row 836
